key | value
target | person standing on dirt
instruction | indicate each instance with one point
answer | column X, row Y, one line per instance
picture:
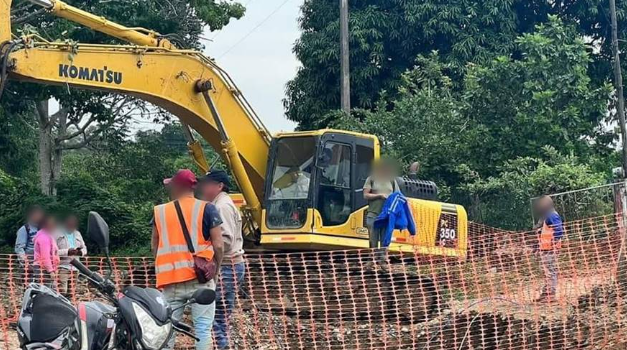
column 24, row 244
column 46, row 253
column 185, row 230
column 378, row 186
column 71, row 245
column 214, row 187
column 550, row 237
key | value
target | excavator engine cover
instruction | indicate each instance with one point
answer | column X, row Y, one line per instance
column 420, row 189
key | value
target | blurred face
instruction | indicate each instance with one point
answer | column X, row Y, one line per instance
column 50, row 224
column 210, row 190
column 35, row 216
column 384, row 170
column 545, row 204
column 414, row 167
column 177, row 191
column 71, row 223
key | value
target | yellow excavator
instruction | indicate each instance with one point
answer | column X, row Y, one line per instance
column 302, row 190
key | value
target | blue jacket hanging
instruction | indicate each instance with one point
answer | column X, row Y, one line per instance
column 395, row 215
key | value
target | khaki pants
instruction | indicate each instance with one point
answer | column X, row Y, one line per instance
column 66, row 281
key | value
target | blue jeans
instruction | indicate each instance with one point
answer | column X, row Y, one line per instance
column 202, row 315
column 231, row 279
column 548, row 260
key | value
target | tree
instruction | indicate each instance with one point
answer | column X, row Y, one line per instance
column 538, row 97
column 86, row 117
column 545, row 97
column 426, row 123
column 387, row 36
column 91, row 181
column 17, row 145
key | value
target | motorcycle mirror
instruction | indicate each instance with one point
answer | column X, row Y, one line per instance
column 204, row 296
column 98, row 229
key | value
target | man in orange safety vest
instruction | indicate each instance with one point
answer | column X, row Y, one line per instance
column 550, row 233
column 174, row 263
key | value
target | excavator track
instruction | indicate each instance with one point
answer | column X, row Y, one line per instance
column 340, row 287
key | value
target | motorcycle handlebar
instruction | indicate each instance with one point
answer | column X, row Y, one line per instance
column 86, row 271
column 181, row 326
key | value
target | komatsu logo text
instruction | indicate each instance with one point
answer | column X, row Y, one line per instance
column 103, row 75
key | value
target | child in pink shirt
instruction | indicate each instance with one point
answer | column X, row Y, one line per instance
column 46, row 252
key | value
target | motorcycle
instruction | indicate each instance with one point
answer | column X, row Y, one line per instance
column 136, row 319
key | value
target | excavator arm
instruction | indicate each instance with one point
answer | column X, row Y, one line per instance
column 183, row 82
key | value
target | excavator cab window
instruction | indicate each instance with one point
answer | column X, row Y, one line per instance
column 334, row 191
column 291, row 172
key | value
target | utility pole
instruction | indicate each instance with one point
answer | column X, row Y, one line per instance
column 618, row 83
column 346, row 83
column 621, row 274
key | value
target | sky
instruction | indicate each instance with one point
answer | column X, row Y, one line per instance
column 257, row 52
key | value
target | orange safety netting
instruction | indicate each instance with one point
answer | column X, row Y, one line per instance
column 342, row 300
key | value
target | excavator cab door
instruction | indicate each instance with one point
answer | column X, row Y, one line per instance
column 342, row 167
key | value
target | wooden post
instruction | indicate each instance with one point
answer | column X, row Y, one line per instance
column 345, row 55
column 618, row 83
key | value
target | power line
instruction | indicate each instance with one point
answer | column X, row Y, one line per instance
column 255, row 28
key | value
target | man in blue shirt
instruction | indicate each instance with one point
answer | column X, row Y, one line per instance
column 24, row 245
column 550, row 233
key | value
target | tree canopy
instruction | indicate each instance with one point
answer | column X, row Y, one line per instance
column 386, row 36
column 86, row 117
column 508, row 108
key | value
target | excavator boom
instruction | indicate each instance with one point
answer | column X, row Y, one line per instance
column 155, row 72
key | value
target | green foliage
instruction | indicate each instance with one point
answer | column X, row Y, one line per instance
column 545, row 97
column 504, row 200
column 521, row 111
column 122, row 183
column 385, row 38
column 387, row 35
column 426, row 123
column 17, row 144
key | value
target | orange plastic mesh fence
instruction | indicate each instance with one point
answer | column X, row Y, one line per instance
column 343, row 300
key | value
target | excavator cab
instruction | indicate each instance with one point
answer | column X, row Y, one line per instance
column 314, row 198
column 316, row 175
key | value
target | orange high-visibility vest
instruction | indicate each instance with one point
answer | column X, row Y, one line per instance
column 174, row 262
column 547, row 241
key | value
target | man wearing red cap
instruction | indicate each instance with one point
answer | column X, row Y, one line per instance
column 182, row 225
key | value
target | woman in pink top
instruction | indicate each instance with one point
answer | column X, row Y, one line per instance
column 46, row 253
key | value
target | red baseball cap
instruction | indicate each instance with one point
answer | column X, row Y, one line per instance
column 183, row 177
